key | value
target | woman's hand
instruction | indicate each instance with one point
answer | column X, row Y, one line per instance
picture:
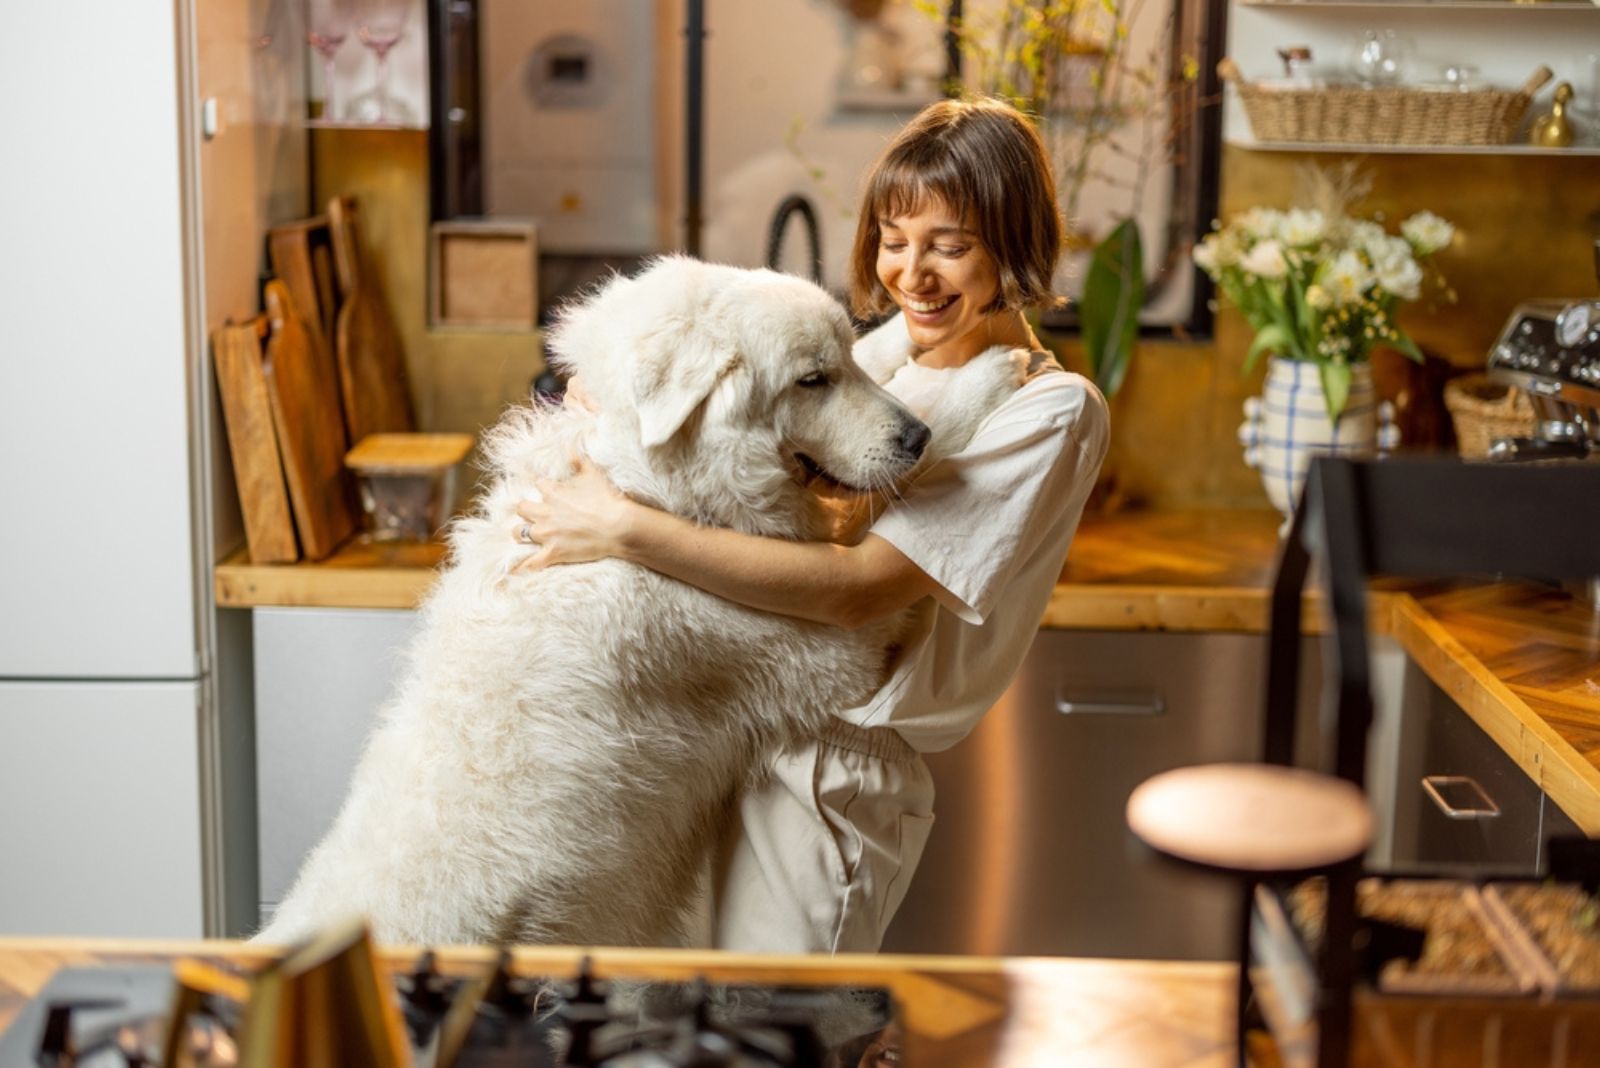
column 852, row 515
column 578, row 519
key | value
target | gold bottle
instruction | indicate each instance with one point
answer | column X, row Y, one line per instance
column 1555, row 129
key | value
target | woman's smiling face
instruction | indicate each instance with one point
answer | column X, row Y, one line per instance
column 942, row 277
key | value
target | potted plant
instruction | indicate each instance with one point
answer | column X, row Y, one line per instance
column 1320, row 287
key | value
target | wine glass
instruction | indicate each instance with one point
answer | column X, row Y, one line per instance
column 380, row 25
column 1381, row 58
column 327, row 26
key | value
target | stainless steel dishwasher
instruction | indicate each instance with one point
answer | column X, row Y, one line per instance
column 1462, row 806
column 1030, row 853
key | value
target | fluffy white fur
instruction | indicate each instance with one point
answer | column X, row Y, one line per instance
column 565, row 743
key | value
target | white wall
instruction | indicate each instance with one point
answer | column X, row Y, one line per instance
column 580, row 156
column 773, row 68
column 779, row 120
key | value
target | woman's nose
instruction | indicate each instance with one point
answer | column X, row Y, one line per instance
column 920, row 264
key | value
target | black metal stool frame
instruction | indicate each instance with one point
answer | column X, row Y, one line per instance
column 1415, row 517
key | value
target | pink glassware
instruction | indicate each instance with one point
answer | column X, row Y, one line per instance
column 380, row 26
column 325, row 33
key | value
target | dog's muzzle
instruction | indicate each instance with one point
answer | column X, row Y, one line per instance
column 914, row 438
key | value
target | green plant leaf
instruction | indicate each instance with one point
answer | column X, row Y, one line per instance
column 1402, row 343
column 1270, row 338
column 1113, row 293
column 1335, row 386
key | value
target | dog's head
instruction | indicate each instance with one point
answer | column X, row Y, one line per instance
column 736, row 388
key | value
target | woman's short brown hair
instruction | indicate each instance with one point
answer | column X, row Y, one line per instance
column 985, row 161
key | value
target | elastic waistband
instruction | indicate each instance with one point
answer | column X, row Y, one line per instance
column 883, row 743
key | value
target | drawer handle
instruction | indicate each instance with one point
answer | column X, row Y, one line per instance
column 1478, row 807
column 1152, row 705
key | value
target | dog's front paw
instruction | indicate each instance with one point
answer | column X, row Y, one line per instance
column 999, row 368
column 976, row 389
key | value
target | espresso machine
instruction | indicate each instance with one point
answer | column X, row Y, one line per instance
column 1550, row 349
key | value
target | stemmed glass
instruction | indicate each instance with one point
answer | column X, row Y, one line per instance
column 327, row 26
column 1381, row 58
column 380, row 25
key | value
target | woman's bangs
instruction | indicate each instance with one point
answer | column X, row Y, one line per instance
column 911, row 186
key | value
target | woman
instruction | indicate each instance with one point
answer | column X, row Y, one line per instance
column 959, row 231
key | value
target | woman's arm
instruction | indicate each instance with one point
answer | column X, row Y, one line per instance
column 585, row 518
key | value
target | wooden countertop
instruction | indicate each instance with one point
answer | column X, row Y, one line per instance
column 360, row 574
column 958, row 1012
column 1523, row 661
column 1190, row 570
column 1193, row 570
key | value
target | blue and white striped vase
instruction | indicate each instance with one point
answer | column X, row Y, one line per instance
column 1288, row 424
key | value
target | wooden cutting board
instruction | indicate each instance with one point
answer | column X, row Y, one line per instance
column 253, row 441
column 301, row 254
column 372, row 368
column 305, row 411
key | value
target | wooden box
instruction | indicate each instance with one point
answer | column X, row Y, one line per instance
column 483, row 274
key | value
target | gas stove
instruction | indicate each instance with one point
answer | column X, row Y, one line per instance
column 118, row 1017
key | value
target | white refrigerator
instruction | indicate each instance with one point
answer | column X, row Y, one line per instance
column 119, row 774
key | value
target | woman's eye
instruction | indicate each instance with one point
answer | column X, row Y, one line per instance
column 951, row 250
column 892, row 246
column 813, row 380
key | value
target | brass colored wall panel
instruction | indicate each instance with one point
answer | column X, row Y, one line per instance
column 461, row 380
column 1525, row 224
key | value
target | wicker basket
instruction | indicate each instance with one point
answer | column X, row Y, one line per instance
column 1483, row 411
column 1350, row 114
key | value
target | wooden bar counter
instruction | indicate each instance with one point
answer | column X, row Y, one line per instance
column 1523, row 661
column 957, row 1012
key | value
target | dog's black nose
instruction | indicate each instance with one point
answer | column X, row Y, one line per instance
column 914, row 438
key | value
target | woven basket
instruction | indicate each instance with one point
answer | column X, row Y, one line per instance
column 1398, row 115
column 1483, row 411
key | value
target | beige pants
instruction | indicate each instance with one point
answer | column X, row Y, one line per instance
column 824, row 852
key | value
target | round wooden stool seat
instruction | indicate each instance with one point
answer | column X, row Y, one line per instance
column 1252, row 817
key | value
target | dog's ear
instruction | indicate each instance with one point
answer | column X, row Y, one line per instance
column 676, row 372
column 683, row 346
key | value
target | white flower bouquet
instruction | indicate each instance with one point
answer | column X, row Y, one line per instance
column 1322, row 289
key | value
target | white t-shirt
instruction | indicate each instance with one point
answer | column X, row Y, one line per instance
column 990, row 525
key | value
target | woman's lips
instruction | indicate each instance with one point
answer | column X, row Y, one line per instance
column 927, row 310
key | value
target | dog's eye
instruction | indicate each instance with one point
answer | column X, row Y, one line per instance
column 813, row 380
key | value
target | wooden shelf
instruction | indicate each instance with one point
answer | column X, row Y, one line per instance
column 329, row 124
column 360, row 574
column 1416, row 150
column 1458, row 5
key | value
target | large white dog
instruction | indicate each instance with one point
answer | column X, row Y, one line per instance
column 565, row 743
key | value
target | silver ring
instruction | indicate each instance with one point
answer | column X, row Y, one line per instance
column 525, row 533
